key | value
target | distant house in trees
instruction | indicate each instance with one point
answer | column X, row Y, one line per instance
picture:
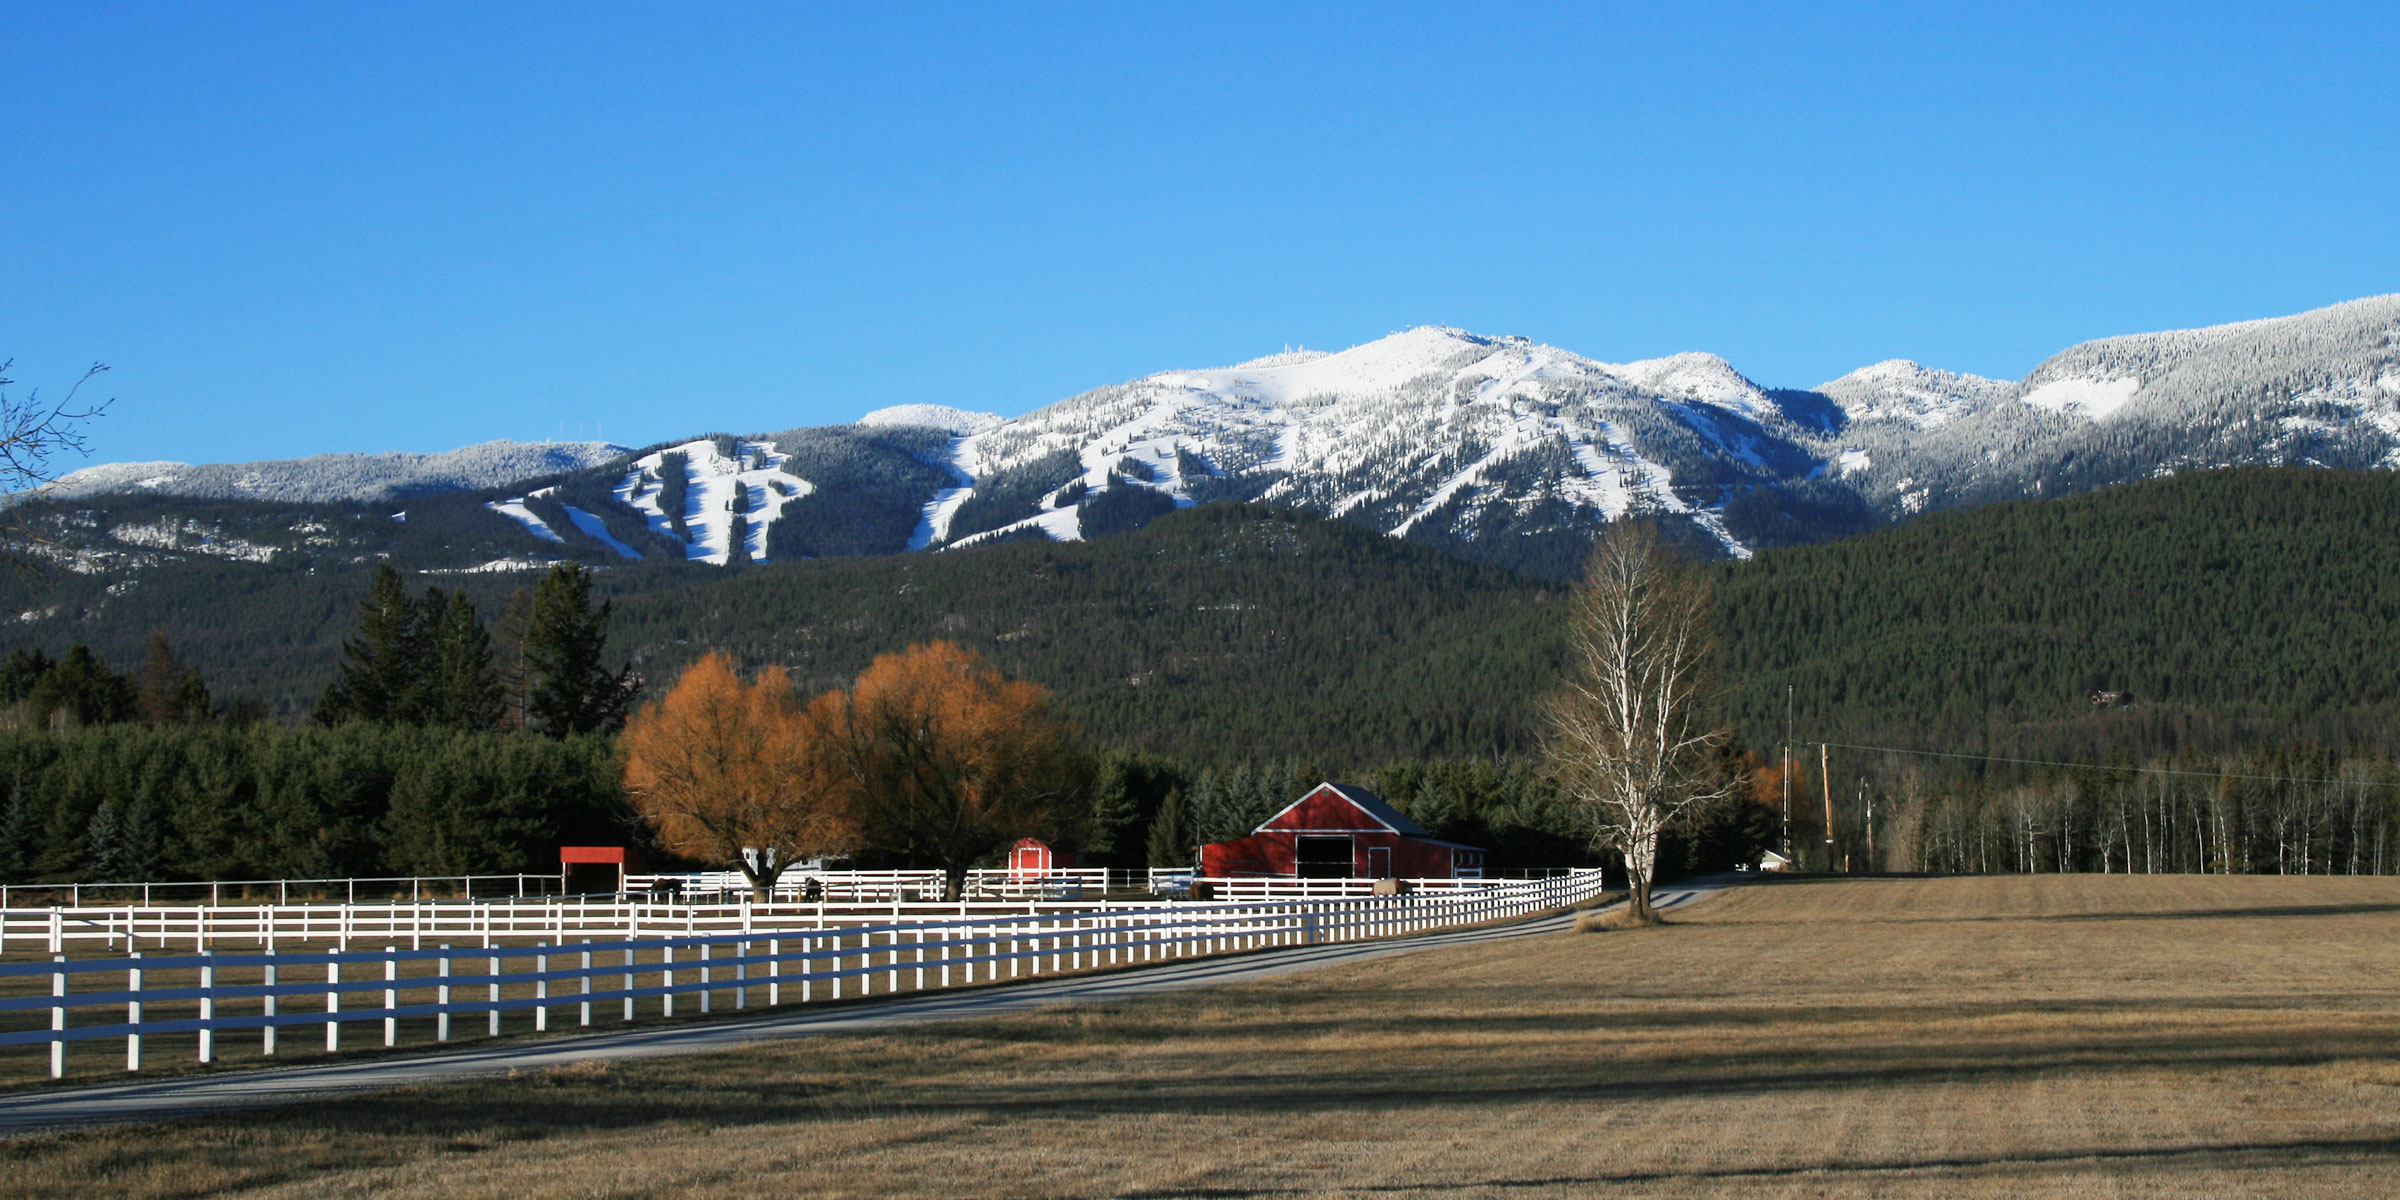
column 1337, row 831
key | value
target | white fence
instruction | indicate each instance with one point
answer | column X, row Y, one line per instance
column 281, row 891
column 902, row 885
column 486, row 922
column 270, row 991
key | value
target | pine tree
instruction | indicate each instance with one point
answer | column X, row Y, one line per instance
column 382, row 666
column 463, row 692
column 1113, row 811
column 161, row 677
column 1237, row 805
column 104, row 843
column 1204, row 807
column 1170, row 842
column 18, row 834
column 192, row 701
column 573, row 691
column 511, row 668
column 21, row 674
column 80, row 690
column 738, row 544
column 141, row 843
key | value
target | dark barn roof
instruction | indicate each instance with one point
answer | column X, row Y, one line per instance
column 1365, row 801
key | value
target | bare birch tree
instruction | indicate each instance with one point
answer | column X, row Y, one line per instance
column 1628, row 733
column 32, row 430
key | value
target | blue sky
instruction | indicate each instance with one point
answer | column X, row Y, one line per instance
column 304, row 228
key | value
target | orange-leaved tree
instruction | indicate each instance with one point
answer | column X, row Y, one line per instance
column 949, row 761
column 737, row 773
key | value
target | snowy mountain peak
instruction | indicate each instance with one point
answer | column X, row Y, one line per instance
column 1703, row 378
column 1897, row 389
column 933, row 416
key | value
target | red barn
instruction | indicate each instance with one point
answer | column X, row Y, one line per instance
column 1032, row 857
column 1341, row 832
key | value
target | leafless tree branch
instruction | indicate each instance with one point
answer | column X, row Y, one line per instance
column 1628, row 733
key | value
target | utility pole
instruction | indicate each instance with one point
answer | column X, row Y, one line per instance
column 1787, row 772
column 1867, row 802
column 1825, row 775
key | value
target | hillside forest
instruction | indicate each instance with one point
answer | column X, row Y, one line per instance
column 2190, row 673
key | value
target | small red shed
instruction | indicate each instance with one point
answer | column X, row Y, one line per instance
column 1034, row 857
column 588, row 869
column 1341, row 832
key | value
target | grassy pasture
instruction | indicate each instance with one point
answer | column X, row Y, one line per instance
column 2081, row 1035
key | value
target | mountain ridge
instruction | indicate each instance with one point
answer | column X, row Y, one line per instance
column 1496, row 448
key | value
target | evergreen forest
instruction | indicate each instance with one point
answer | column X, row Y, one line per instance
column 2217, row 645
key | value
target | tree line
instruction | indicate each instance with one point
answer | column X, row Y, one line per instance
column 263, row 801
column 429, row 661
column 2275, row 809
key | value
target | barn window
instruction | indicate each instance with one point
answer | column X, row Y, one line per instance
column 1325, row 856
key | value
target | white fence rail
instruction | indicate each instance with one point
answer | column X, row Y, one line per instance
column 592, row 978
column 281, row 891
column 903, row 885
column 833, row 885
column 203, row 927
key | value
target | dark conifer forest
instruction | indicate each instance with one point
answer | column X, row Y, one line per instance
column 2234, row 626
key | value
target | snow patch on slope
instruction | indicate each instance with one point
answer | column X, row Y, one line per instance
column 710, row 484
column 515, row 510
column 596, row 529
column 2097, row 399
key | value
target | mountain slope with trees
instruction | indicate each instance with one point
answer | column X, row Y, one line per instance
column 2221, row 606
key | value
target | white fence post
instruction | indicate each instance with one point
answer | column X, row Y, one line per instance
column 208, row 1006
column 441, row 997
column 391, row 996
column 267, row 1029
column 133, row 1007
column 58, row 1016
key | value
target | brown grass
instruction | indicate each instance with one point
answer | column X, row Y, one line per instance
column 1615, row 919
column 1988, row 1037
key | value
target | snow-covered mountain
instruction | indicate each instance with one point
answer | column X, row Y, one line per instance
column 2318, row 389
column 1434, row 433
column 1497, row 448
column 340, row 477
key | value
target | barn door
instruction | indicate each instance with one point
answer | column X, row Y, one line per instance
column 1323, row 856
column 1379, row 862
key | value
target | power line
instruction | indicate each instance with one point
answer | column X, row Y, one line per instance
column 2070, row 766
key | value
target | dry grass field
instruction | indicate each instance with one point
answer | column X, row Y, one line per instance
column 2072, row 1035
